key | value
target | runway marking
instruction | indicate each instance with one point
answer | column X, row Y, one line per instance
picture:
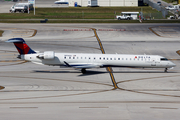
column 11, row 60
column 164, row 32
column 1, row 32
column 109, row 69
column 57, row 80
column 15, row 63
column 162, row 108
column 147, row 78
column 7, row 51
column 23, row 107
column 55, row 90
column 92, row 29
column 56, row 95
column 93, row 107
column 154, row 31
column 174, row 59
column 146, row 92
column 1, row 87
column 99, row 41
column 100, row 102
column 70, row 45
column 34, row 33
column 178, row 52
column 140, row 91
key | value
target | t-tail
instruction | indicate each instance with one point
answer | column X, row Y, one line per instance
column 21, row 46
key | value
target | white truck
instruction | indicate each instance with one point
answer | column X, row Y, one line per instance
column 127, row 16
column 21, row 7
column 175, row 7
column 123, row 17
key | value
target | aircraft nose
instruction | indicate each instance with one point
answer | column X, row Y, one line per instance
column 171, row 64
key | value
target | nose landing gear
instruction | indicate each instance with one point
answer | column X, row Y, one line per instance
column 165, row 70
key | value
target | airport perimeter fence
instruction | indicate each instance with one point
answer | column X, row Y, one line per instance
column 151, row 16
column 154, row 5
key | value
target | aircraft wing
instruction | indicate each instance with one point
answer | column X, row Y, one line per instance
column 82, row 65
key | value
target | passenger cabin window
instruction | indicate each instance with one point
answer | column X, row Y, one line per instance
column 164, row 59
column 118, row 58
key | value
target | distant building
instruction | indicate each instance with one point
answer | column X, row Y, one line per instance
column 105, row 3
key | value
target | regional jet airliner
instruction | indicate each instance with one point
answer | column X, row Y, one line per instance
column 85, row 61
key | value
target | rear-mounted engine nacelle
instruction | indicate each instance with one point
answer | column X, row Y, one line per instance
column 47, row 55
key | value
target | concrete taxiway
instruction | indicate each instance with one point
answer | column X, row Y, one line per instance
column 30, row 91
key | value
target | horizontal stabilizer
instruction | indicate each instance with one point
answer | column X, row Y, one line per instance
column 15, row 40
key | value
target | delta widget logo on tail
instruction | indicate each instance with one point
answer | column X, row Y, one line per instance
column 21, row 46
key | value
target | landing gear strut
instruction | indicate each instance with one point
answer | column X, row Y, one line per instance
column 165, row 70
column 83, row 70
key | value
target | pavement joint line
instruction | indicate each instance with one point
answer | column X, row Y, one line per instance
column 23, row 107
column 109, row 69
column 15, row 63
column 11, row 60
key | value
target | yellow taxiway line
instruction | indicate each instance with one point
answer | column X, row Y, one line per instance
column 109, row 69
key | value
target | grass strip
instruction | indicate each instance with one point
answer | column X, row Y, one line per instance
column 76, row 13
column 89, row 21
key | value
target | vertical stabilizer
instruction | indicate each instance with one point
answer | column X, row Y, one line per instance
column 21, row 46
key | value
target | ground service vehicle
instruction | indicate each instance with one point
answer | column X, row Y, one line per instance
column 123, row 17
column 127, row 16
column 21, row 7
column 159, row 3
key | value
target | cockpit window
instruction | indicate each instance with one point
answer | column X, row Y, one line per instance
column 164, row 59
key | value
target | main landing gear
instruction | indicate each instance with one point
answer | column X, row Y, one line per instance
column 83, row 70
column 165, row 70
